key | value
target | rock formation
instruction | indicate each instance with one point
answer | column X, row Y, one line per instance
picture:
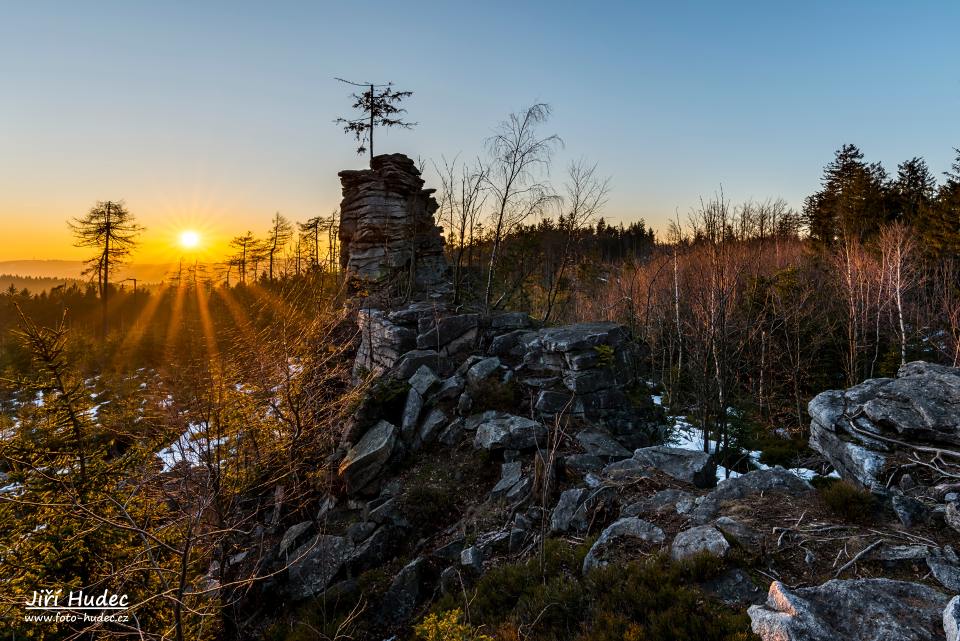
column 892, row 435
column 857, row 610
column 387, row 229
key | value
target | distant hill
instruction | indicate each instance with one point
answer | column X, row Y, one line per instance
column 61, row 270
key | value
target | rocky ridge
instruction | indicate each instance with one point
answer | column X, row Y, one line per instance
column 483, row 435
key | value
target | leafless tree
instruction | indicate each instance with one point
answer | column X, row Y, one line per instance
column 898, row 248
column 586, row 194
column 519, row 158
column 462, row 198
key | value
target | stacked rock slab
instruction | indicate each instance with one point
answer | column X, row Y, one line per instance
column 583, row 370
column 387, row 229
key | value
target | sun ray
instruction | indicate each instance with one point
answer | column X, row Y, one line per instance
column 140, row 325
column 206, row 326
column 176, row 321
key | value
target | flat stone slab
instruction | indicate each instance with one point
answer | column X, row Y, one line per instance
column 499, row 430
column 365, row 459
column 683, row 465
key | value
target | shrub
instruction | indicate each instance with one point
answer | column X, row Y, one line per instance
column 447, row 626
column 782, row 451
column 847, row 500
column 605, row 354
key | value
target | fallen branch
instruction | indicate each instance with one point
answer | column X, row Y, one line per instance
column 857, row 557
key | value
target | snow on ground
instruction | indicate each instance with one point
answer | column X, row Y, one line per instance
column 689, row 437
column 191, row 448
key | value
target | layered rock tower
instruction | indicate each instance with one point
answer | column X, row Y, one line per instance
column 387, row 230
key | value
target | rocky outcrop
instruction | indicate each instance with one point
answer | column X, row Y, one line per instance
column 875, row 433
column 387, row 227
column 855, row 610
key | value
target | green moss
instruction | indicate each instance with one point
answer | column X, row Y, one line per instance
column 605, row 355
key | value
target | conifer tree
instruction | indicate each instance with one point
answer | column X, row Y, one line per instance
column 112, row 230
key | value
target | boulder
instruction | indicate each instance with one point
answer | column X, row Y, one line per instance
column 741, row 534
column 483, row 370
column 909, row 510
column 509, row 476
column 452, row 433
column 446, row 334
column 498, row 430
column 449, row 389
column 683, row 465
column 509, row 321
column 580, row 464
column 734, row 588
column 292, row 536
column 951, row 515
column 509, row 344
column 401, row 598
column 472, row 559
column 775, row 479
column 411, row 414
column 423, row 379
column 600, row 444
column 951, row 619
column 566, row 508
column 945, row 567
column 316, row 563
column 698, row 540
column 430, row 426
column 378, row 548
column 626, row 528
column 360, row 531
column 866, row 429
column 663, row 502
column 413, row 360
column 852, row 610
column 364, row 460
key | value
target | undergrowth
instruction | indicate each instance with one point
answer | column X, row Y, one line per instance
column 847, row 500
column 546, row 598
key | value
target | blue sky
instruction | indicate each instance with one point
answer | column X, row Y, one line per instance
column 217, row 114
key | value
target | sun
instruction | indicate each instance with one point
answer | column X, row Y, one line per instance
column 189, row 239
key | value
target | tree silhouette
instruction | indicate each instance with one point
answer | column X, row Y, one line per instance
column 112, row 230
column 378, row 106
column 279, row 235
